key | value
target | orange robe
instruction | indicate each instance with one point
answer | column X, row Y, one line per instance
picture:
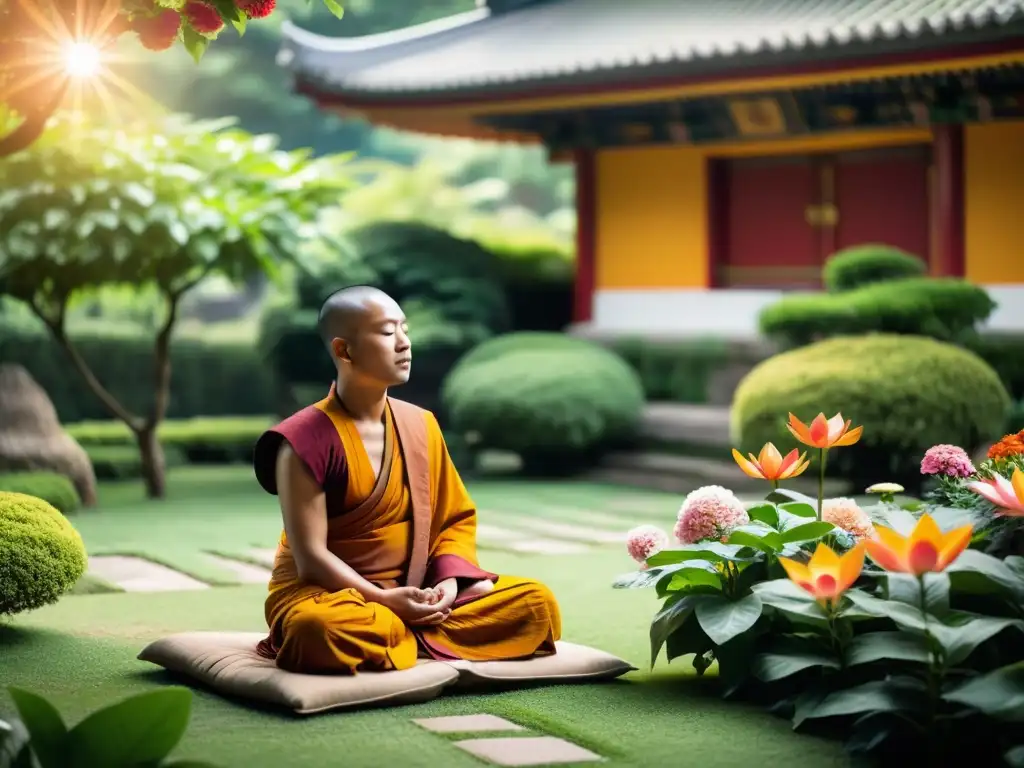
column 376, row 526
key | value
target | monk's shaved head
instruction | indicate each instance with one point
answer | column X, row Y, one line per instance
column 346, row 310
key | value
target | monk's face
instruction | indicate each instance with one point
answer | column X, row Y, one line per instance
column 379, row 350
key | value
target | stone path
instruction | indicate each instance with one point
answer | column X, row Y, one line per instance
column 522, row 750
column 134, row 574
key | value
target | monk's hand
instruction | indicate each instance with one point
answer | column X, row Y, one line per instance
column 413, row 606
column 447, row 590
column 478, row 588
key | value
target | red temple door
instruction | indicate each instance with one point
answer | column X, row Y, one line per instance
column 764, row 238
column 882, row 196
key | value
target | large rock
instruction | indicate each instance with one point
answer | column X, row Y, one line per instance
column 31, row 437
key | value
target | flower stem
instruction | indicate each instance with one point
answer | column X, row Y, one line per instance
column 822, row 455
column 775, row 485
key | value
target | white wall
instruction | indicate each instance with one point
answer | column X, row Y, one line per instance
column 733, row 313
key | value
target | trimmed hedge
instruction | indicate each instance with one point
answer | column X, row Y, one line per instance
column 862, row 265
column 209, row 378
column 908, row 393
column 944, row 309
column 41, row 554
column 556, row 401
column 123, row 462
column 52, row 488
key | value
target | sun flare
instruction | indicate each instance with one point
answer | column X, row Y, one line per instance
column 82, row 59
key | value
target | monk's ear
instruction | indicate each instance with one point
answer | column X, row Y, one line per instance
column 340, row 349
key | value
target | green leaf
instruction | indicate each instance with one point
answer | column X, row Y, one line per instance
column 998, row 694
column 892, row 695
column 901, row 614
column 690, row 576
column 712, row 551
column 906, row 589
column 689, row 638
column 899, row 520
column 723, row 619
column 960, row 634
column 642, row 579
column 676, row 610
column 14, row 745
column 770, row 542
column 195, row 43
column 807, row 532
column 1015, row 757
column 887, row 646
column 786, row 597
column 334, row 7
column 789, row 655
column 141, row 729
column 766, row 513
column 784, row 495
column 801, row 508
column 45, row 726
column 975, row 572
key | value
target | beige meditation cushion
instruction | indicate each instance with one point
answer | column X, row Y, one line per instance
column 227, row 663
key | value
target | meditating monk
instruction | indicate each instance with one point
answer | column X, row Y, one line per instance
column 377, row 564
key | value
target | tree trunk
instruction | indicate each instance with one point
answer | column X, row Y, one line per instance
column 154, row 468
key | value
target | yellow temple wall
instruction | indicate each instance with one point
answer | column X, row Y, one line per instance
column 994, row 203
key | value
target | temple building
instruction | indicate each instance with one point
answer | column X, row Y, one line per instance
column 725, row 148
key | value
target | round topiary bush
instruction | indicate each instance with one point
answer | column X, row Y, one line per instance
column 863, row 265
column 41, row 554
column 52, row 488
column 556, row 401
column 908, row 392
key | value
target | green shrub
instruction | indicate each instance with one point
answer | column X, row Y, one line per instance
column 538, row 284
column 52, row 488
column 209, row 378
column 558, row 402
column 863, row 265
column 196, row 441
column 945, row 309
column 41, row 554
column 677, row 371
column 908, row 393
column 1005, row 353
column 123, row 462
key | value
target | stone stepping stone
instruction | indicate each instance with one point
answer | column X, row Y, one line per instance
column 467, row 724
column 498, row 534
column 548, row 547
column 135, row 574
column 247, row 573
column 573, row 532
column 528, row 750
column 265, row 556
column 604, row 519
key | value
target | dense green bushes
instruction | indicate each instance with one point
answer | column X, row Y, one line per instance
column 209, row 379
column 909, row 393
column 557, row 402
column 945, row 309
column 864, row 265
column 41, row 554
column 52, row 488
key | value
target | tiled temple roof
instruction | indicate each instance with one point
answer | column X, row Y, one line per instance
column 606, row 41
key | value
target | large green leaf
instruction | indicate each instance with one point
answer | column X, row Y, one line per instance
column 892, row 695
column 903, row 615
column 791, row 654
column 805, row 509
column 769, row 542
column 689, row 577
column 807, row 532
column 711, row 551
column 785, row 495
column 644, row 578
column 978, row 573
column 786, row 597
column 723, row 619
column 677, row 609
column 999, row 693
column 907, row 589
column 45, row 726
column 15, row 751
column 142, row 729
column 887, row 646
column 961, row 634
column 899, row 520
column 764, row 512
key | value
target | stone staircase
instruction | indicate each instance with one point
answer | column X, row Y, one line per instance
column 685, row 447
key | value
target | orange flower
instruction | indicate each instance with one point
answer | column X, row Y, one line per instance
column 827, row 576
column 824, row 433
column 770, row 464
column 926, row 549
column 1010, row 445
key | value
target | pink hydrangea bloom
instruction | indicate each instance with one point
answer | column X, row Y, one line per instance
column 644, row 541
column 949, row 460
column 845, row 514
column 709, row 513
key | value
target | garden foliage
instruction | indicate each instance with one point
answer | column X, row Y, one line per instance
column 915, row 651
column 56, row 490
column 41, row 554
column 867, row 264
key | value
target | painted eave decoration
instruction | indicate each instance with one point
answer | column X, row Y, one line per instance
column 528, row 47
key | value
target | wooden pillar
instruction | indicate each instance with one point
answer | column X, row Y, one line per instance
column 717, row 179
column 949, row 200
column 586, row 234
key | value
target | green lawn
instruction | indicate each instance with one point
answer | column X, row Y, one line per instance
column 81, row 652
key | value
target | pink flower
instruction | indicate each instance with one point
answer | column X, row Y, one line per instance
column 949, row 460
column 1007, row 495
column 845, row 514
column 644, row 541
column 709, row 513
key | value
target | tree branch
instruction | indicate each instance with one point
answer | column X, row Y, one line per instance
column 32, row 126
column 56, row 326
column 162, row 363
